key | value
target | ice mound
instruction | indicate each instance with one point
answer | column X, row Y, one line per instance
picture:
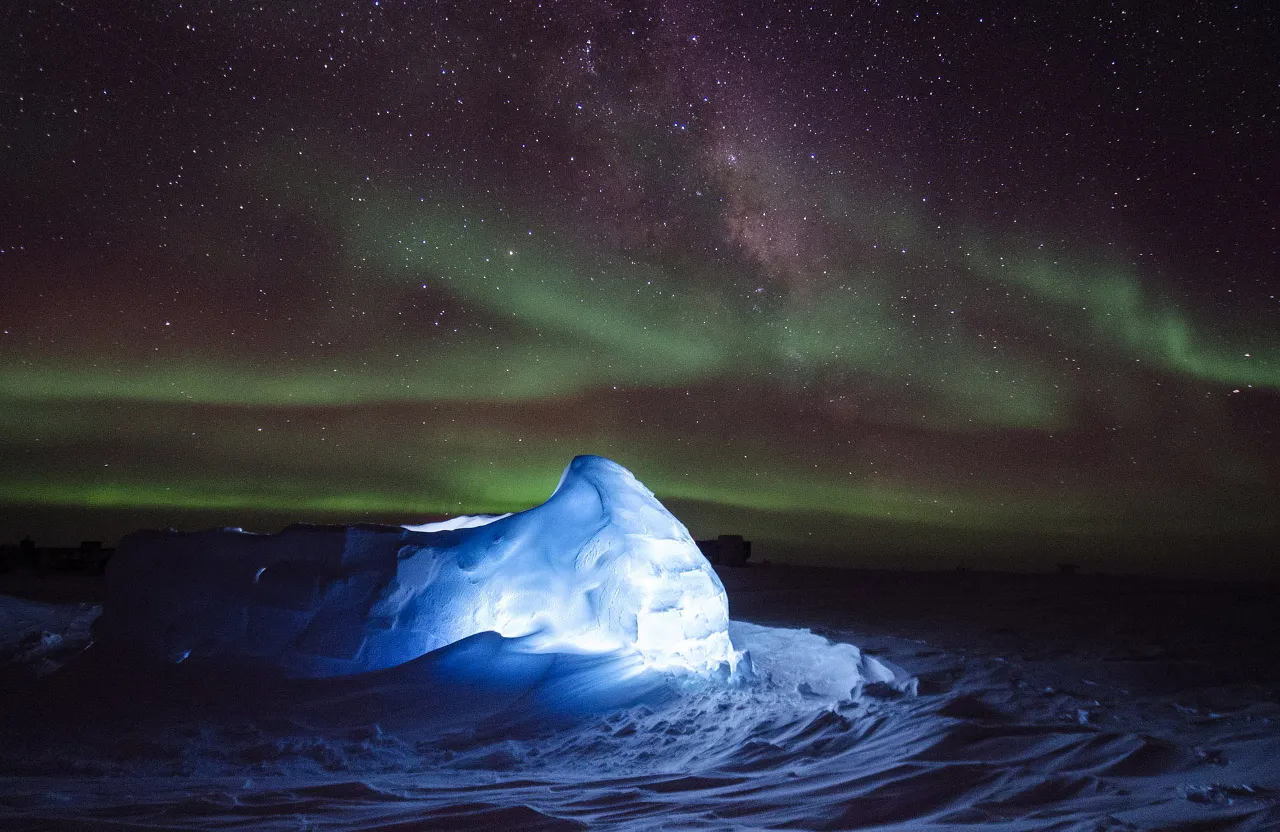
column 601, row 566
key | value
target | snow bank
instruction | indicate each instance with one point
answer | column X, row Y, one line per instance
column 601, row 566
column 462, row 521
column 802, row 661
column 39, row 636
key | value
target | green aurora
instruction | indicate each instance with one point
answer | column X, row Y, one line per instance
column 625, row 357
column 902, row 299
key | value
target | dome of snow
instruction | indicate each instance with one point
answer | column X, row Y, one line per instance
column 601, row 566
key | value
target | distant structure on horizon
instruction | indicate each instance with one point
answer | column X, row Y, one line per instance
column 90, row 556
column 726, row 550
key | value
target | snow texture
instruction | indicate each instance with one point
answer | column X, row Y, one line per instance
column 600, row 567
column 1039, row 703
column 41, row 637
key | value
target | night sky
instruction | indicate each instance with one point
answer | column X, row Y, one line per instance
column 870, row 283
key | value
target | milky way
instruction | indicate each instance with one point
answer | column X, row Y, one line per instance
column 922, row 285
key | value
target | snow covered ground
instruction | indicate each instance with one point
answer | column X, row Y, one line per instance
column 1044, row 703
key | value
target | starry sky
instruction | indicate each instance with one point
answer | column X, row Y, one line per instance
column 872, row 283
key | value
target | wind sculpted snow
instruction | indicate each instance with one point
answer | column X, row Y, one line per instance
column 1058, row 723
column 241, row 691
column 601, row 566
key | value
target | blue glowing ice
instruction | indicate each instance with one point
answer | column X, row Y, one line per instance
column 602, row 566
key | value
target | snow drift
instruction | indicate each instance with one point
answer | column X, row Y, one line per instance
column 600, row 567
column 1041, row 703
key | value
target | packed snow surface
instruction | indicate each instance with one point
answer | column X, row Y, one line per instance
column 601, row 566
column 1042, row 704
column 532, row 671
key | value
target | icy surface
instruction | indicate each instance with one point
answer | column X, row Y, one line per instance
column 600, row 567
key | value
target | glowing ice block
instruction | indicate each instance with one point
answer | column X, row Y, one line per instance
column 600, row 566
